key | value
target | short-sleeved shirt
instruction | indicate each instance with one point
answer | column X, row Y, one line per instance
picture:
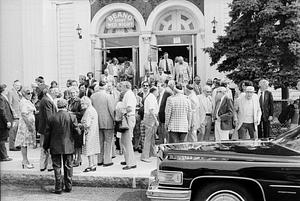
column 151, row 103
column 129, row 100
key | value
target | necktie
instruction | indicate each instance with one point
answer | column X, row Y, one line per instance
column 261, row 99
column 150, row 67
column 167, row 66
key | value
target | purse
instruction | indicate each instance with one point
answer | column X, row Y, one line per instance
column 124, row 124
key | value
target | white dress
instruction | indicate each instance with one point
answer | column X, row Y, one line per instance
column 91, row 132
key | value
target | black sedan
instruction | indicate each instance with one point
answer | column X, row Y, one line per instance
column 229, row 170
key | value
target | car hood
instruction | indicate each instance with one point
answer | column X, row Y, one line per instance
column 232, row 150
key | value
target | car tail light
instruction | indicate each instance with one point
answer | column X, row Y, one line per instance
column 170, row 177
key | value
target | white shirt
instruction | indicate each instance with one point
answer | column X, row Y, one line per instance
column 249, row 111
column 151, row 103
column 129, row 100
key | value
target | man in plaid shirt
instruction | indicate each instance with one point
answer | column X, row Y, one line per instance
column 178, row 115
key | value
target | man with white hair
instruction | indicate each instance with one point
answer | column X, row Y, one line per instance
column 247, row 114
column 223, row 115
column 129, row 101
column 182, row 71
column 205, row 113
column 267, row 108
column 178, row 115
column 194, row 126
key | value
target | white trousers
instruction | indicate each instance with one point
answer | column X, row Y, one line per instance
column 220, row 134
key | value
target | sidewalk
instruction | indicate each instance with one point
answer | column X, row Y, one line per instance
column 112, row 176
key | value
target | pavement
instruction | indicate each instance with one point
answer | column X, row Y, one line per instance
column 112, row 176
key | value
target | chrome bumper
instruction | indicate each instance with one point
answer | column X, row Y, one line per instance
column 158, row 194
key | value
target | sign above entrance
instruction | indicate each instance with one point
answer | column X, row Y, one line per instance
column 120, row 19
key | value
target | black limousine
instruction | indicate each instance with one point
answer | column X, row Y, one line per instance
column 229, row 170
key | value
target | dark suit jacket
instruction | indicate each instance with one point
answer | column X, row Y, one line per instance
column 60, row 132
column 267, row 107
column 226, row 113
column 161, row 112
column 6, row 115
column 46, row 109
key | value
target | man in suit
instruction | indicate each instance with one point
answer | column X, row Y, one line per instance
column 14, row 96
column 6, row 119
column 90, row 79
column 247, row 113
column 267, row 108
column 59, row 137
column 46, row 110
column 223, row 114
column 167, row 64
column 162, row 131
column 151, row 66
column 104, row 104
column 178, row 115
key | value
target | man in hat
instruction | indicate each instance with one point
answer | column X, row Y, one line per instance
column 59, row 137
column 6, row 119
column 178, row 115
column 104, row 104
column 247, row 114
column 223, row 114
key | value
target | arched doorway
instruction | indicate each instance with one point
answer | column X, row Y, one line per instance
column 178, row 28
column 115, row 31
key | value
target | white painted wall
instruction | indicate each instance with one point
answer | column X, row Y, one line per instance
column 214, row 8
column 10, row 41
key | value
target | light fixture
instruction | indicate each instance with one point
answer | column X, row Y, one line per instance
column 78, row 29
column 214, row 22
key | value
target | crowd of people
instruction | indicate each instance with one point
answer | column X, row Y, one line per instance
column 99, row 119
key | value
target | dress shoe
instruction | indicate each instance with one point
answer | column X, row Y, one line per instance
column 113, row 157
column 67, row 190
column 90, row 169
column 107, row 164
column 6, row 159
column 146, row 160
column 14, row 149
column 123, row 163
column 49, row 170
column 42, row 170
column 129, row 167
column 99, row 164
column 56, row 192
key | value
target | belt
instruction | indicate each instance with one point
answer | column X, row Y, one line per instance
column 208, row 114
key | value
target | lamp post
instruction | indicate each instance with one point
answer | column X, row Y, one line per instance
column 78, row 29
column 214, row 22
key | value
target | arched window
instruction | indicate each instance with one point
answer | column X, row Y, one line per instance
column 175, row 20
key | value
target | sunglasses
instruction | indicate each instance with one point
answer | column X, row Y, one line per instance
column 29, row 93
column 146, row 85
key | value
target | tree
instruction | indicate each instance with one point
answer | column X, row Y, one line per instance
column 262, row 41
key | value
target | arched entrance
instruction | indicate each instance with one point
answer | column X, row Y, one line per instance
column 115, row 31
column 178, row 28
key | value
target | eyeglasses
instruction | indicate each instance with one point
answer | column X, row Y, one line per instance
column 145, row 85
column 29, row 93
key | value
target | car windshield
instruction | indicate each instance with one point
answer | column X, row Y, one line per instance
column 290, row 139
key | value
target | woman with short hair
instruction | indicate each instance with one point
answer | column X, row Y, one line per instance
column 89, row 123
column 26, row 130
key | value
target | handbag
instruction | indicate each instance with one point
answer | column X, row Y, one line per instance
column 124, row 124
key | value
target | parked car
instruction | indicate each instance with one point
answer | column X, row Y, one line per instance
column 229, row 170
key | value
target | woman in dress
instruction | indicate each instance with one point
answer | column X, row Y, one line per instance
column 74, row 107
column 89, row 123
column 26, row 129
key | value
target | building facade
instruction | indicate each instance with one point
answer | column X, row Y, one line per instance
column 40, row 37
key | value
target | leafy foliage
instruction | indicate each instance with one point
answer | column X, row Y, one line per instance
column 262, row 41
